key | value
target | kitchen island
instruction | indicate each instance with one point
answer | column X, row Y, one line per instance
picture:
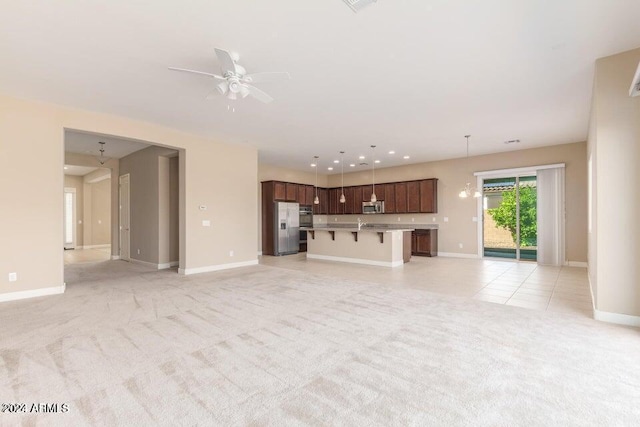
column 373, row 245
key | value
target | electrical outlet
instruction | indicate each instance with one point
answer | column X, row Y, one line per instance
column 398, row 219
column 433, row 219
column 335, row 219
column 460, row 245
column 231, row 253
column 138, row 251
column 474, row 219
column 206, row 223
column 13, row 277
column 413, row 220
column 446, row 219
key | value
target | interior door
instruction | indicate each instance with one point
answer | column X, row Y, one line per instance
column 69, row 218
column 125, row 218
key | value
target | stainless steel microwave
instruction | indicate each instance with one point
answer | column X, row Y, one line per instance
column 373, row 207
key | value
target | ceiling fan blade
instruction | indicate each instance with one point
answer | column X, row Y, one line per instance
column 215, row 76
column 226, row 61
column 258, row 94
column 272, row 76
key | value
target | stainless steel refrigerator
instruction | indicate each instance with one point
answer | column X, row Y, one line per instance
column 287, row 227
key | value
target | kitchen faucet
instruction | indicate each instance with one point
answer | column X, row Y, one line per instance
column 361, row 224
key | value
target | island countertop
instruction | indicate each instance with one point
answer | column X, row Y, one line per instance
column 354, row 228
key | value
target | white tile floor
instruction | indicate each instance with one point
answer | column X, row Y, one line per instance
column 523, row 284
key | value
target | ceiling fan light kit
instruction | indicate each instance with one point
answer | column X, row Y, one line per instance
column 357, row 5
column 234, row 81
column 102, row 159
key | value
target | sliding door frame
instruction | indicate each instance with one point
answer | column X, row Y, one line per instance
column 503, row 173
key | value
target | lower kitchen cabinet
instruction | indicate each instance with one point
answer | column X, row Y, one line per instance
column 424, row 242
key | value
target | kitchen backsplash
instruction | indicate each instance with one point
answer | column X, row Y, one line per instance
column 379, row 219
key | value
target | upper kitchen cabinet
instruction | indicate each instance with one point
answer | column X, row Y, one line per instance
column 429, row 195
column 389, row 198
column 279, row 190
column 349, row 204
column 400, row 189
column 413, row 196
column 292, row 192
column 309, row 194
column 321, row 208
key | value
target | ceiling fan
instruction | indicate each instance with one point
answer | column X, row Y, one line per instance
column 234, row 80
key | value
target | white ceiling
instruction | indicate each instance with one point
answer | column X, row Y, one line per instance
column 410, row 75
column 78, row 170
column 89, row 143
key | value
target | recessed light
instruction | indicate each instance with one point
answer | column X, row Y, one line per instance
column 336, row 161
column 330, row 168
column 352, row 165
column 313, row 165
column 392, row 152
column 361, row 157
column 406, row 157
column 377, row 161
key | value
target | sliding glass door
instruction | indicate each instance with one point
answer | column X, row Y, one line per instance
column 510, row 217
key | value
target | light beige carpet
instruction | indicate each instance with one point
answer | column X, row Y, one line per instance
column 267, row 346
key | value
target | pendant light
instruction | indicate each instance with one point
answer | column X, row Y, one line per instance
column 342, row 198
column 102, row 159
column 316, row 200
column 373, row 174
column 466, row 191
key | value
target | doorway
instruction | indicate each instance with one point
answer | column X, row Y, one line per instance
column 510, row 217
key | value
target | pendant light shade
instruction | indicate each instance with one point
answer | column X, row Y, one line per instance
column 373, row 174
column 467, row 191
column 342, row 198
column 316, row 200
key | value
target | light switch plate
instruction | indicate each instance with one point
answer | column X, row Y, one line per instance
column 13, row 277
column 206, row 223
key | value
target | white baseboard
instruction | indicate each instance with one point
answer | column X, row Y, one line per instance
column 458, row 255
column 115, row 257
column 210, row 268
column 108, row 245
column 617, row 318
column 259, row 253
column 165, row 265
column 12, row 296
column 356, row 260
column 147, row 263
column 576, row 264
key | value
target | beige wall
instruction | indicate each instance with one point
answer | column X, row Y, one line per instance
column 100, row 215
column 149, row 173
column 220, row 176
column 72, row 181
column 614, row 143
column 452, row 176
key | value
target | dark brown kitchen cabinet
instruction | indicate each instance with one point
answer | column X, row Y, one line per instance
column 429, row 196
column 367, row 190
column 413, row 196
column 292, row 192
column 335, row 207
column 349, row 195
column 401, row 197
column 323, row 207
column 357, row 200
column 309, row 194
column 279, row 190
column 389, row 198
column 424, row 243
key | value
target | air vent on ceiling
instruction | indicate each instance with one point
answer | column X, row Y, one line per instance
column 635, row 84
column 356, row 5
column 364, row 164
column 512, row 141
